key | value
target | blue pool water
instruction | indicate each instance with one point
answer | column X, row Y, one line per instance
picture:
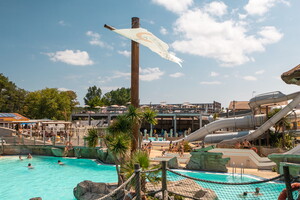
column 54, row 182
column 48, row 179
column 269, row 190
column 154, row 139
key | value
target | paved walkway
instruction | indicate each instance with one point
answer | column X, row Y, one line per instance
column 261, row 173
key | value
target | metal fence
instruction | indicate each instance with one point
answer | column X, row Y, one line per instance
column 75, row 137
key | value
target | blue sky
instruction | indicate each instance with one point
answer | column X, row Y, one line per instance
column 232, row 50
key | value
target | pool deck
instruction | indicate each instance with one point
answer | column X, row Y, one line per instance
column 261, row 173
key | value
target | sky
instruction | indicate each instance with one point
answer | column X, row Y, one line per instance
column 231, row 50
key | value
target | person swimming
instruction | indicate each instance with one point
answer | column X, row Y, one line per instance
column 30, row 166
column 60, row 163
column 29, row 156
column 20, row 157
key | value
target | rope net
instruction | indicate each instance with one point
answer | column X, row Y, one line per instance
column 151, row 182
column 121, row 191
column 190, row 185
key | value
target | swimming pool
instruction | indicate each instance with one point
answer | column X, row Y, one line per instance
column 48, row 179
column 269, row 190
column 54, row 182
column 154, row 139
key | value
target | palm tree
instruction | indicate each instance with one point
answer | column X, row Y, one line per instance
column 282, row 125
column 92, row 138
column 120, row 133
column 137, row 116
column 141, row 158
column 118, row 144
column 118, row 141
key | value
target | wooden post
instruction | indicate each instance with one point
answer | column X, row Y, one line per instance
column 137, row 172
column 164, row 180
column 287, row 180
column 135, row 23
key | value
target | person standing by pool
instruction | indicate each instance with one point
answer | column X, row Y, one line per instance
column 20, row 157
column 29, row 156
column 149, row 147
column 170, row 146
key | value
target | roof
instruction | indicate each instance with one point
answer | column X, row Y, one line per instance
column 292, row 76
column 12, row 117
column 239, row 105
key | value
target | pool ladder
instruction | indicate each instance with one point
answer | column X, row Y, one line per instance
column 234, row 169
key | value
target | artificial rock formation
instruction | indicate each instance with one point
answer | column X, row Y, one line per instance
column 173, row 163
column 88, row 190
column 207, row 161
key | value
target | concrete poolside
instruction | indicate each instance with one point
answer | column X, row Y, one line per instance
column 261, row 173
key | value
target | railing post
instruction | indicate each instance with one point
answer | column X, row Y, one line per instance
column 23, row 142
column 287, row 180
column 44, row 139
column 137, row 172
column 164, row 180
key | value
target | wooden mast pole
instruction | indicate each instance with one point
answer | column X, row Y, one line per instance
column 135, row 23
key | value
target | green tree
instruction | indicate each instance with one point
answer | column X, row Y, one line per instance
column 12, row 98
column 141, row 158
column 93, row 97
column 120, row 96
column 118, row 142
column 92, row 138
column 49, row 103
column 138, row 116
column 119, row 137
column 278, row 138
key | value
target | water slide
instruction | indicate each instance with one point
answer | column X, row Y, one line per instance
column 267, row 98
column 261, row 99
column 246, row 122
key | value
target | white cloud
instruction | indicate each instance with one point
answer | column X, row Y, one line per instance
column 62, row 23
column 109, row 88
column 216, row 8
column 226, row 40
column 270, row 35
column 146, row 74
column 80, row 58
column 63, row 89
column 163, row 31
column 150, row 74
column 210, row 83
column 176, row 6
column 125, row 53
column 249, row 78
column 260, row 7
column 176, row 75
column 260, row 72
column 95, row 40
column 213, row 74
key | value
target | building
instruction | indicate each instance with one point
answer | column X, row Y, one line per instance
column 178, row 117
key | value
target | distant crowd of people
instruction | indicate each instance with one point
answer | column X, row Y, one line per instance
column 245, row 145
